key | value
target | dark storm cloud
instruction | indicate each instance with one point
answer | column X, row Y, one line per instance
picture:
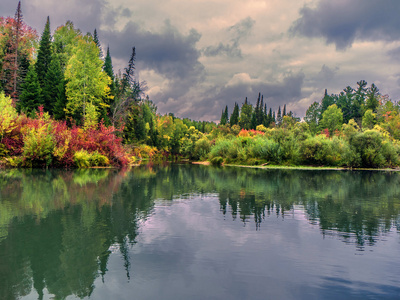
column 342, row 22
column 86, row 15
column 113, row 15
column 232, row 49
column 168, row 52
column 275, row 94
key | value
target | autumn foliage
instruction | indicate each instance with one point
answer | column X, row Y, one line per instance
column 43, row 142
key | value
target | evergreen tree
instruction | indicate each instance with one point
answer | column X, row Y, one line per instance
column 246, row 112
column 284, row 111
column 97, row 42
column 372, row 98
column 50, row 92
column 235, row 115
column 279, row 116
column 30, row 97
column 271, row 118
column 224, row 116
column 60, row 101
column 327, row 101
column 265, row 116
column 44, row 58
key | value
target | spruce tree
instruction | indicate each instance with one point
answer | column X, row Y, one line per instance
column 60, row 101
column 108, row 68
column 246, row 113
column 279, row 116
column 224, row 116
column 97, row 42
column 270, row 117
column 234, row 120
column 50, row 92
column 44, row 56
column 30, row 97
column 284, row 111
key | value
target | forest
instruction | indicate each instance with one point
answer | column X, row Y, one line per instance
column 62, row 105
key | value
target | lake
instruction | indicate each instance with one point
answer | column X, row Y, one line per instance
column 199, row 232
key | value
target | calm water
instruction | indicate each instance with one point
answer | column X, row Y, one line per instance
column 195, row 232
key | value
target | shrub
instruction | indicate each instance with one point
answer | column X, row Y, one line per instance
column 217, row 161
column 98, row 160
column 201, row 148
column 38, row 146
column 82, row 159
column 224, row 148
column 320, row 150
column 265, row 149
column 368, row 145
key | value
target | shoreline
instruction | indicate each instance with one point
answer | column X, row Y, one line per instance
column 207, row 163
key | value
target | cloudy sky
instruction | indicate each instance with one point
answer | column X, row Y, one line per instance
column 198, row 56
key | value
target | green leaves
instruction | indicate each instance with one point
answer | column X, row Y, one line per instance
column 86, row 80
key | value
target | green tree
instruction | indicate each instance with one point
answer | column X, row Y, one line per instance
column 279, row 116
column 369, row 119
column 51, row 90
column 246, row 112
column 372, row 101
column 313, row 115
column 65, row 40
column 60, row 102
column 86, row 80
column 235, row 115
column 31, row 95
column 108, row 68
column 97, row 42
column 332, row 119
column 43, row 60
column 224, row 116
column 327, row 101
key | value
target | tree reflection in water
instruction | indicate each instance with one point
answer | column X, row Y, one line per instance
column 58, row 228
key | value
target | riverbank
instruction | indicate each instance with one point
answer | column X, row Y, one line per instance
column 207, row 163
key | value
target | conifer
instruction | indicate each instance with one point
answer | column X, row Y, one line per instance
column 30, row 97
column 44, row 55
column 54, row 77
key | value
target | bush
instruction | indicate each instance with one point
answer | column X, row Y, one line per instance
column 265, row 149
column 320, row 150
column 201, row 148
column 217, row 161
column 82, row 159
column 368, row 145
column 98, row 160
column 38, row 146
column 224, row 148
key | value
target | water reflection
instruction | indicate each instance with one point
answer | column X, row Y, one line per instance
column 59, row 228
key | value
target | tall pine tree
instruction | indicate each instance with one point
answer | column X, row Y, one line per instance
column 44, row 57
column 234, row 120
column 30, row 97
column 97, row 42
column 51, row 88
column 224, row 116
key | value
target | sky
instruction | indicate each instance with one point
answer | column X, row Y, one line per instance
column 199, row 56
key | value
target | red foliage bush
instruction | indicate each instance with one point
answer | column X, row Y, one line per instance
column 67, row 141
